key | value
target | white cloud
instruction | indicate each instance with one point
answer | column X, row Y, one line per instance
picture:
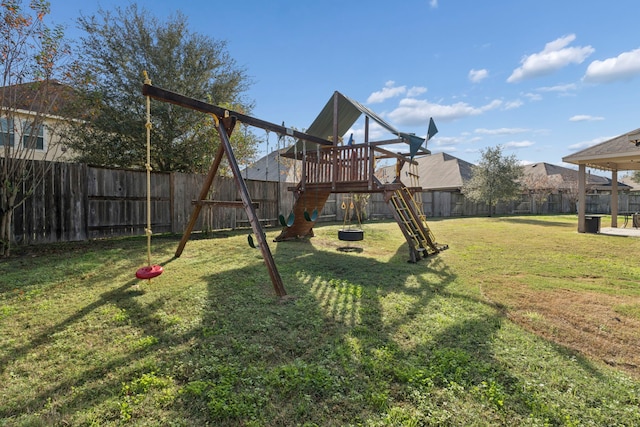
column 447, row 141
column 533, row 96
column 518, row 144
column 623, row 67
column 585, row 118
column 478, row 75
column 558, row 88
column 412, row 112
column 501, row 131
column 415, row 91
column 554, row 56
column 433, row 3
column 513, row 104
column 389, row 90
column 444, row 149
column 586, row 144
column 375, row 132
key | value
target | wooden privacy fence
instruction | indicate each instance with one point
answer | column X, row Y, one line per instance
column 79, row 202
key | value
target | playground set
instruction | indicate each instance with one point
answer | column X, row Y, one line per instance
column 328, row 166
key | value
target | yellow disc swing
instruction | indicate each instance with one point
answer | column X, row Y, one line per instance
column 150, row 271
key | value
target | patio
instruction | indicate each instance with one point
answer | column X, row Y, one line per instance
column 622, row 232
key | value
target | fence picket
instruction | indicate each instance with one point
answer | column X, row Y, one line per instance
column 78, row 202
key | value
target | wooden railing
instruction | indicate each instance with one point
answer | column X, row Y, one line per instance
column 344, row 164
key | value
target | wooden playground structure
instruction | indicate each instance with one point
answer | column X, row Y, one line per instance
column 328, row 166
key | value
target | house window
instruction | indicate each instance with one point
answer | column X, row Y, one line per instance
column 7, row 135
column 33, row 139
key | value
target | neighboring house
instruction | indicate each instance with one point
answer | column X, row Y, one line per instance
column 437, row 172
column 561, row 179
column 547, row 188
column 633, row 185
column 441, row 177
column 551, row 188
column 23, row 104
column 274, row 167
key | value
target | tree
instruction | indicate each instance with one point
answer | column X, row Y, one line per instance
column 117, row 48
column 495, row 179
column 31, row 54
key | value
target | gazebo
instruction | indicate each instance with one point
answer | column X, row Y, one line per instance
column 617, row 154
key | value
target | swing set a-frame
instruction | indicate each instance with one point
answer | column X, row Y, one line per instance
column 327, row 168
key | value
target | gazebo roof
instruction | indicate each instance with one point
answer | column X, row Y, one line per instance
column 619, row 153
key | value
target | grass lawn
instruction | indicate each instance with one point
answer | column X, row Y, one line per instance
column 523, row 321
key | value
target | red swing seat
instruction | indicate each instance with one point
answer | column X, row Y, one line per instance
column 149, row 272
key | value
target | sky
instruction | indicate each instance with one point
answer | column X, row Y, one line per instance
column 543, row 79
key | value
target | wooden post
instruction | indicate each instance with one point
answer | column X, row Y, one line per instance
column 225, row 127
column 335, row 141
column 249, row 208
column 202, row 196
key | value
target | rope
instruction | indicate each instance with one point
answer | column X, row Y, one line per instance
column 147, row 230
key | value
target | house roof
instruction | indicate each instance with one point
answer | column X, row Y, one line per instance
column 439, row 171
column 619, row 153
column 50, row 97
column 442, row 171
column 272, row 167
column 566, row 178
column 633, row 185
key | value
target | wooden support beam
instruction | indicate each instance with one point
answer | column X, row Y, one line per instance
column 223, row 203
column 194, row 104
column 387, row 142
column 334, row 178
column 370, row 153
column 225, row 123
column 391, row 154
column 248, row 205
column 204, row 191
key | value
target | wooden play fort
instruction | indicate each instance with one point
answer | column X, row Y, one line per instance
column 328, row 166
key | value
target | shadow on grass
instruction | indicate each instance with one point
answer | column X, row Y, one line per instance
column 349, row 343
column 345, row 347
column 122, row 297
column 537, row 220
column 102, row 374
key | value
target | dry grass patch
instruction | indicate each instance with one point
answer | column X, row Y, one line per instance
column 587, row 322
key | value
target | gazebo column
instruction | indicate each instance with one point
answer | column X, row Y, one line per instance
column 614, row 198
column 582, row 197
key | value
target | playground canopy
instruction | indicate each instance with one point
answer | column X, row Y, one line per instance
column 617, row 154
column 347, row 111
